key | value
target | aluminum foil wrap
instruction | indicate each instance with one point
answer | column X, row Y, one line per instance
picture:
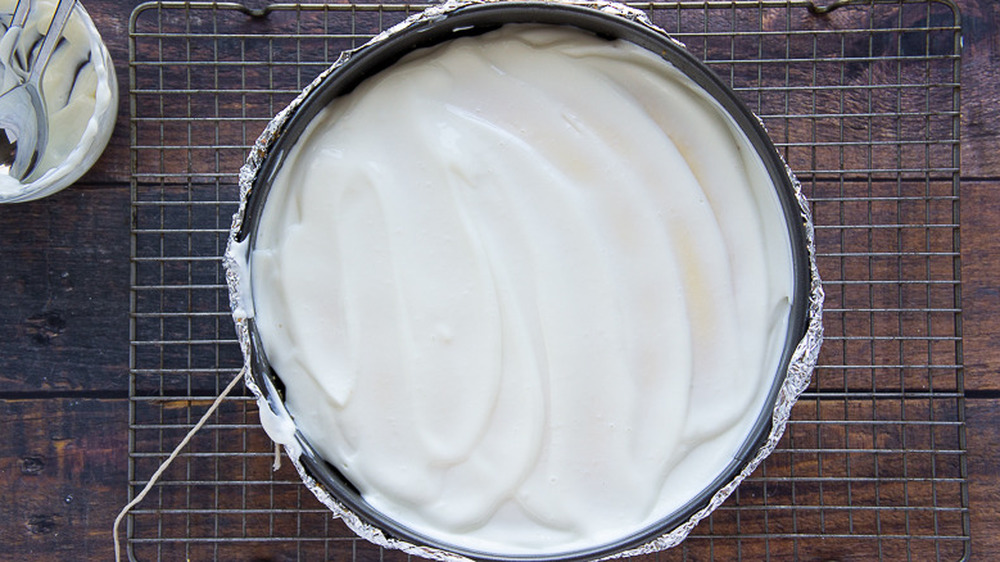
column 278, row 423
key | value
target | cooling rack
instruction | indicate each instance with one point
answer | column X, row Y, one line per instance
column 863, row 100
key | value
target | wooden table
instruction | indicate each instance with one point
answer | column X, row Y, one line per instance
column 64, row 329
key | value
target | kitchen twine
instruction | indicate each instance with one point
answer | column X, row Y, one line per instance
column 163, row 466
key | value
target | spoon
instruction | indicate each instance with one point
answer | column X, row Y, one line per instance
column 8, row 44
column 22, row 108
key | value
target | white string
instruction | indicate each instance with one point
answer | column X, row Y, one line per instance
column 166, row 463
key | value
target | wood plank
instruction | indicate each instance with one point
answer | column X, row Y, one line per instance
column 980, row 88
column 980, row 290
column 983, row 423
column 63, row 466
column 65, row 278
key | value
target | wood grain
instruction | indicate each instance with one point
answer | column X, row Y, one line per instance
column 63, row 465
column 980, row 288
column 983, row 421
column 65, row 279
column 981, row 89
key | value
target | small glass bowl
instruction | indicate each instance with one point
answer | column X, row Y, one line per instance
column 96, row 130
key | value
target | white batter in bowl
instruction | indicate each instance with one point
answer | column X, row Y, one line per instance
column 81, row 97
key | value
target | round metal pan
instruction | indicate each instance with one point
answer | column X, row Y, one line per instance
column 479, row 18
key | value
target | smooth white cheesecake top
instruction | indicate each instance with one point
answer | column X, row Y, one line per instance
column 528, row 291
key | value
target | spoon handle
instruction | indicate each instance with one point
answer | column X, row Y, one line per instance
column 20, row 15
column 59, row 18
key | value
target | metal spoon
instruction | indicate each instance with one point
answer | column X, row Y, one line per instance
column 11, row 78
column 20, row 14
column 12, row 74
column 22, row 108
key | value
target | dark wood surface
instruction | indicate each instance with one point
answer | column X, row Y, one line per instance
column 64, row 327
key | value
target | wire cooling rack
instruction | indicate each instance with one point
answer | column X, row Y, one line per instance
column 862, row 101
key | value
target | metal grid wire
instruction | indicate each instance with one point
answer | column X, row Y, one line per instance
column 863, row 102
